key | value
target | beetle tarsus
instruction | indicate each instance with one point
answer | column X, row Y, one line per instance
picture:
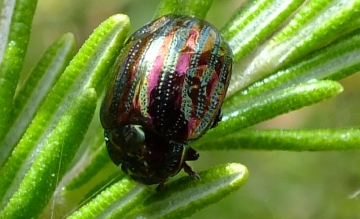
column 191, row 172
column 161, row 184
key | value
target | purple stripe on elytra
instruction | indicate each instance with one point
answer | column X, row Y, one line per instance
column 147, row 68
column 211, row 92
column 121, row 87
column 210, row 74
column 166, row 94
column 156, row 70
column 183, row 63
column 175, row 78
column 135, row 72
column 193, row 64
column 193, row 105
column 173, row 83
column 170, row 71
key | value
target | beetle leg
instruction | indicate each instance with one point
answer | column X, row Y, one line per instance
column 191, row 154
column 190, row 171
column 161, row 184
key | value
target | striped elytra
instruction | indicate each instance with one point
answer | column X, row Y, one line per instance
column 168, row 87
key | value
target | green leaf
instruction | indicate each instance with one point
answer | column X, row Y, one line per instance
column 32, row 94
column 269, row 105
column 184, row 197
column 87, row 70
column 51, row 163
column 196, row 8
column 95, row 164
column 290, row 140
column 336, row 61
column 178, row 199
column 15, row 19
column 254, row 22
column 120, row 197
column 301, row 36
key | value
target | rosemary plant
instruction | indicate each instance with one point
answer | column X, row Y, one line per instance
column 53, row 162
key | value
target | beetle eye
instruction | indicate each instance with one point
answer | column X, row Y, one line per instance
column 131, row 136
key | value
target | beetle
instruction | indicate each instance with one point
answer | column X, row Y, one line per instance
column 167, row 90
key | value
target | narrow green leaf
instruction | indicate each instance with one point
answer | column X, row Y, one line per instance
column 334, row 62
column 31, row 95
column 174, row 200
column 196, row 8
column 52, row 162
column 15, row 19
column 80, row 185
column 304, row 34
column 120, row 197
column 169, row 7
column 88, row 69
column 66, row 202
column 95, row 164
column 290, row 140
column 269, row 105
column 91, row 171
column 93, row 140
column 184, row 197
column 254, row 22
column 301, row 36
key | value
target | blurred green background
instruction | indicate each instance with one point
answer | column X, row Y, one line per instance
column 281, row 184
